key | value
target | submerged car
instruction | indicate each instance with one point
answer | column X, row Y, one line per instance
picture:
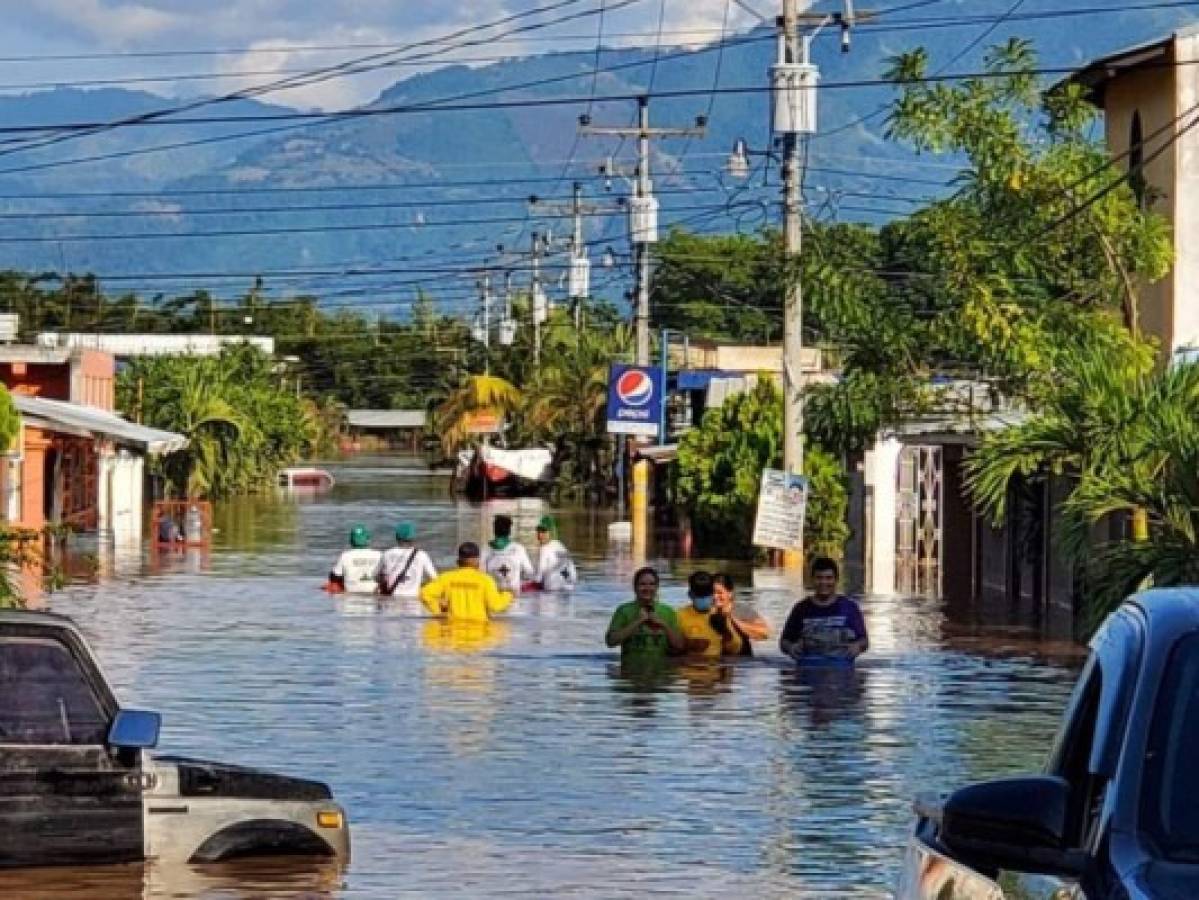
column 77, row 785
column 1116, row 812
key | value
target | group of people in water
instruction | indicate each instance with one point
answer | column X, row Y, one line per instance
column 825, row 628
column 406, row 571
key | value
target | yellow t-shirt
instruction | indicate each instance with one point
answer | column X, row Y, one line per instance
column 464, row 594
column 696, row 625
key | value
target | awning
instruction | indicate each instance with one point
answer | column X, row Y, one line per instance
column 659, row 453
column 385, row 419
column 86, row 421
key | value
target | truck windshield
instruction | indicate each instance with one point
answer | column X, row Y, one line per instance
column 1169, row 811
column 46, row 697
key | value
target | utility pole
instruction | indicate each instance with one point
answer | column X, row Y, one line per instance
column 579, row 273
column 538, row 300
column 793, row 82
column 485, row 297
column 507, row 323
column 793, row 412
column 643, row 205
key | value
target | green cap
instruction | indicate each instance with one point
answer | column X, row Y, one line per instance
column 405, row 531
column 547, row 523
column 359, row 537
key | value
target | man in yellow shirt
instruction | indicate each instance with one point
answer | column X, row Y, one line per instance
column 465, row 594
column 695, row 621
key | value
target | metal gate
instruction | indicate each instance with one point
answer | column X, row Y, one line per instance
column 918, row 521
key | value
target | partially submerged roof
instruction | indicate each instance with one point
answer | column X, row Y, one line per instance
column 87, row 421
column 384, row 419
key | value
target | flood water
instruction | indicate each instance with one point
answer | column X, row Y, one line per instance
column 519, row 761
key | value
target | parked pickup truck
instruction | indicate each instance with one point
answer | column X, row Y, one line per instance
column 1116, row 812
column 78, row 787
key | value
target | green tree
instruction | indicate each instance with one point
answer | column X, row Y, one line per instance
column 720, row 467
column 1126, row 435
column 566, row 403
column 241, row 427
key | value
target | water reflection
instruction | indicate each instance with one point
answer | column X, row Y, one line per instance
column 517, row 757
column 276, row 878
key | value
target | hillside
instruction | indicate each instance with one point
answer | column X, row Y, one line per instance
column 444, row 187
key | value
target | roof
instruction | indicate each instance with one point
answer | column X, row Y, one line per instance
column 88, row 421
column 1096, row 74
column 27, row 353
column 386, row 418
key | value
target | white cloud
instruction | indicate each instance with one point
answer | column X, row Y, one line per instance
column 74, row 26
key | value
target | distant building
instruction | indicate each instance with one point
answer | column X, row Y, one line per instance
column 76, row 462
column 387, row 428
column 704, row 373
column 132, row 345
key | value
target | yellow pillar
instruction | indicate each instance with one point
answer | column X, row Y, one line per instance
column 793, row 560
column 1140, row 525
column 639, row 509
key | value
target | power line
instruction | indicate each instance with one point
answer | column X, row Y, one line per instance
column 356, row 66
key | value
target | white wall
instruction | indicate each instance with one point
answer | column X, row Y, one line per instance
column 881, row 472
column 1185, row 332
column 121, row 480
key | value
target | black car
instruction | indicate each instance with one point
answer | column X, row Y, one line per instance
column 77, row 785
column 1116, row 812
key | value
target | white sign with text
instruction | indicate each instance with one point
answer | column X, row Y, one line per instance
column 782, row 504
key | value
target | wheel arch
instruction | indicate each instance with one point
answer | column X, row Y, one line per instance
column 262, row 837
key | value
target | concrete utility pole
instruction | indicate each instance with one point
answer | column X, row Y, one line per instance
column 643, row 205
column 579, row 273
column 793, row 413
column 485, row 300
column 537, row 299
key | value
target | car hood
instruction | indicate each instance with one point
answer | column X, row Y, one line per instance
column 200, row 778
column 1165, row 881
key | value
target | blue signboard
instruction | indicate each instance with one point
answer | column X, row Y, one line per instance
column 635, row 400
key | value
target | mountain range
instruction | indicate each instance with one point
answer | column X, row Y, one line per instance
column 415, row 191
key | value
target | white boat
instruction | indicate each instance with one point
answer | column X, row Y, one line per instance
column 494, row 471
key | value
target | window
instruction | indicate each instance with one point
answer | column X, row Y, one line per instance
column 1073, row 748
column 1136, row 160
column 1169, row 812
column 46, row 696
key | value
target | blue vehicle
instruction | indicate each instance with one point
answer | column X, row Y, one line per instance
column 1116, row 812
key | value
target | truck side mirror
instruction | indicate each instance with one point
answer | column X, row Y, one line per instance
column 134, row 729
column 1017, row 824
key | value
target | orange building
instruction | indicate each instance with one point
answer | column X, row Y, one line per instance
column 77, row 462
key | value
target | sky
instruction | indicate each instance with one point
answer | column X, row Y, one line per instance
column 268, row 37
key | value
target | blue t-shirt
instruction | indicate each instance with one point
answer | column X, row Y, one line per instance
column 825, row 630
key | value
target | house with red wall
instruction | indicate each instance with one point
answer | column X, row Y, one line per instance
column 76, row 462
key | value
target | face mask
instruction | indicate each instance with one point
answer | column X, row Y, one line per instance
column 701, row 604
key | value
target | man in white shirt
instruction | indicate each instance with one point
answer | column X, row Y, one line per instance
column 507, row 561
column 404, row 567
column 555, row 569
column 354, row 571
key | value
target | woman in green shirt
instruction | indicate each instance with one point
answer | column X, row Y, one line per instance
column 644, row 629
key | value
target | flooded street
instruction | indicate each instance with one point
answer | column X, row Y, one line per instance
column 517, row 760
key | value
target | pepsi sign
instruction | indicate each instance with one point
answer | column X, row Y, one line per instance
column 635, row 400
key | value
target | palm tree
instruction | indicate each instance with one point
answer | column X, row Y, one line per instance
column 1127, row 434
column 569, row 395
column 478, row 394
column 193, row 404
